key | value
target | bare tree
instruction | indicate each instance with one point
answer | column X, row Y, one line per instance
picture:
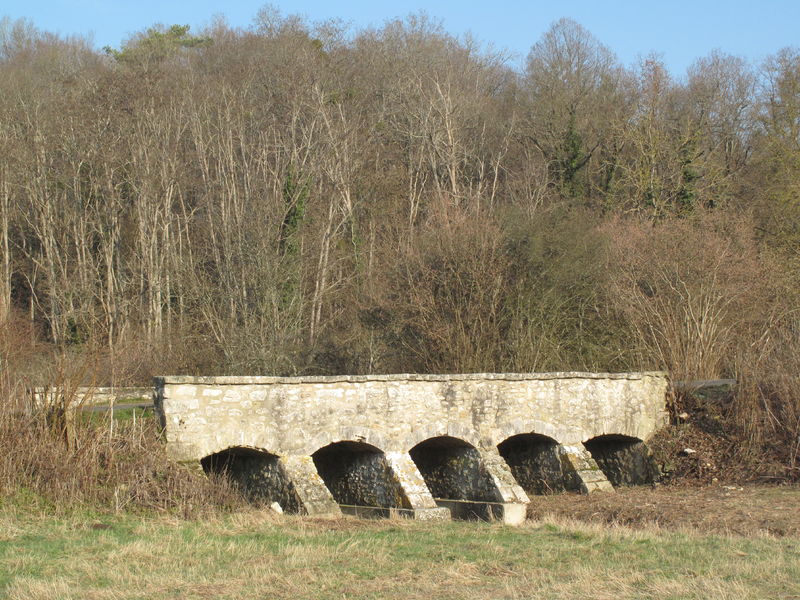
column 575, row 101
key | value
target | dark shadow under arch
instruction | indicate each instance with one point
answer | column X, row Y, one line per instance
column 535, row 463
column 258, row 474
column 358, row 474
column 454, row 470
column 624, row 460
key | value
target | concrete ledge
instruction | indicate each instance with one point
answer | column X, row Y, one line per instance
column 590, row 487
column 268, row 379
column 379, row 512
column 440, row 513
column 508, row 513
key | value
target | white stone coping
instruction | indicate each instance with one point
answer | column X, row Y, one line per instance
column 399, row 377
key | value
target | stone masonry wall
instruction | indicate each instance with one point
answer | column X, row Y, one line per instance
column 298, row 416
column 359, row 478
column 426, row 435
column 455, row 473
column 536, row 464
column 261, row 477
column 624, row 462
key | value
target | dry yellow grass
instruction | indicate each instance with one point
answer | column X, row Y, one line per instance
column 250, row 555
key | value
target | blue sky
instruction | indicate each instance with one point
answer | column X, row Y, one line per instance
column 679, row 30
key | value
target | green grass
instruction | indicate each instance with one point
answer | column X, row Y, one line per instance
column 120, row 415
column 254, row 555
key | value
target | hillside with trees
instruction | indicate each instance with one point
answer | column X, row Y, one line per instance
column 297, row 198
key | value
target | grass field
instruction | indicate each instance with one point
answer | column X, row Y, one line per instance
column 260, row 555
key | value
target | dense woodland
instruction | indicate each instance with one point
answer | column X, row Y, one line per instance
column 297, row 198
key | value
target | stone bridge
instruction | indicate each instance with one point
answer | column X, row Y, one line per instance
column 425, row 446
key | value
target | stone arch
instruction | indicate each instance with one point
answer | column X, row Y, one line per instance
column 357, row 474
column 535, row 462
column 258, row 474
column 217, row 448
column 624, row 459
column 455, row 429
column 529, row 426
column 356, row 434
column 453, row 469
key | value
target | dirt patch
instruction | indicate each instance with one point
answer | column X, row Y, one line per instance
column 724, row 509
column 708, row 442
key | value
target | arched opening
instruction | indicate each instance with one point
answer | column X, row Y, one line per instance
column 623, row 459
column 258, row 474
column 358, row 474
column 454, row 470
column 536, row 464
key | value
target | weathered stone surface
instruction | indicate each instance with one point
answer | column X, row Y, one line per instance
column 315, row 498
column 295, row 417
column 454, row 471
column 508, row 513
column 261, row 476
column 536, row 464
column 623, row 461
column 582, row 471
column 359, row 477
column 508, row 489
column 411, row 481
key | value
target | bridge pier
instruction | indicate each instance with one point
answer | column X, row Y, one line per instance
column 514, row 500
column 419, row 498
column 314, row 497
column 583, row 471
